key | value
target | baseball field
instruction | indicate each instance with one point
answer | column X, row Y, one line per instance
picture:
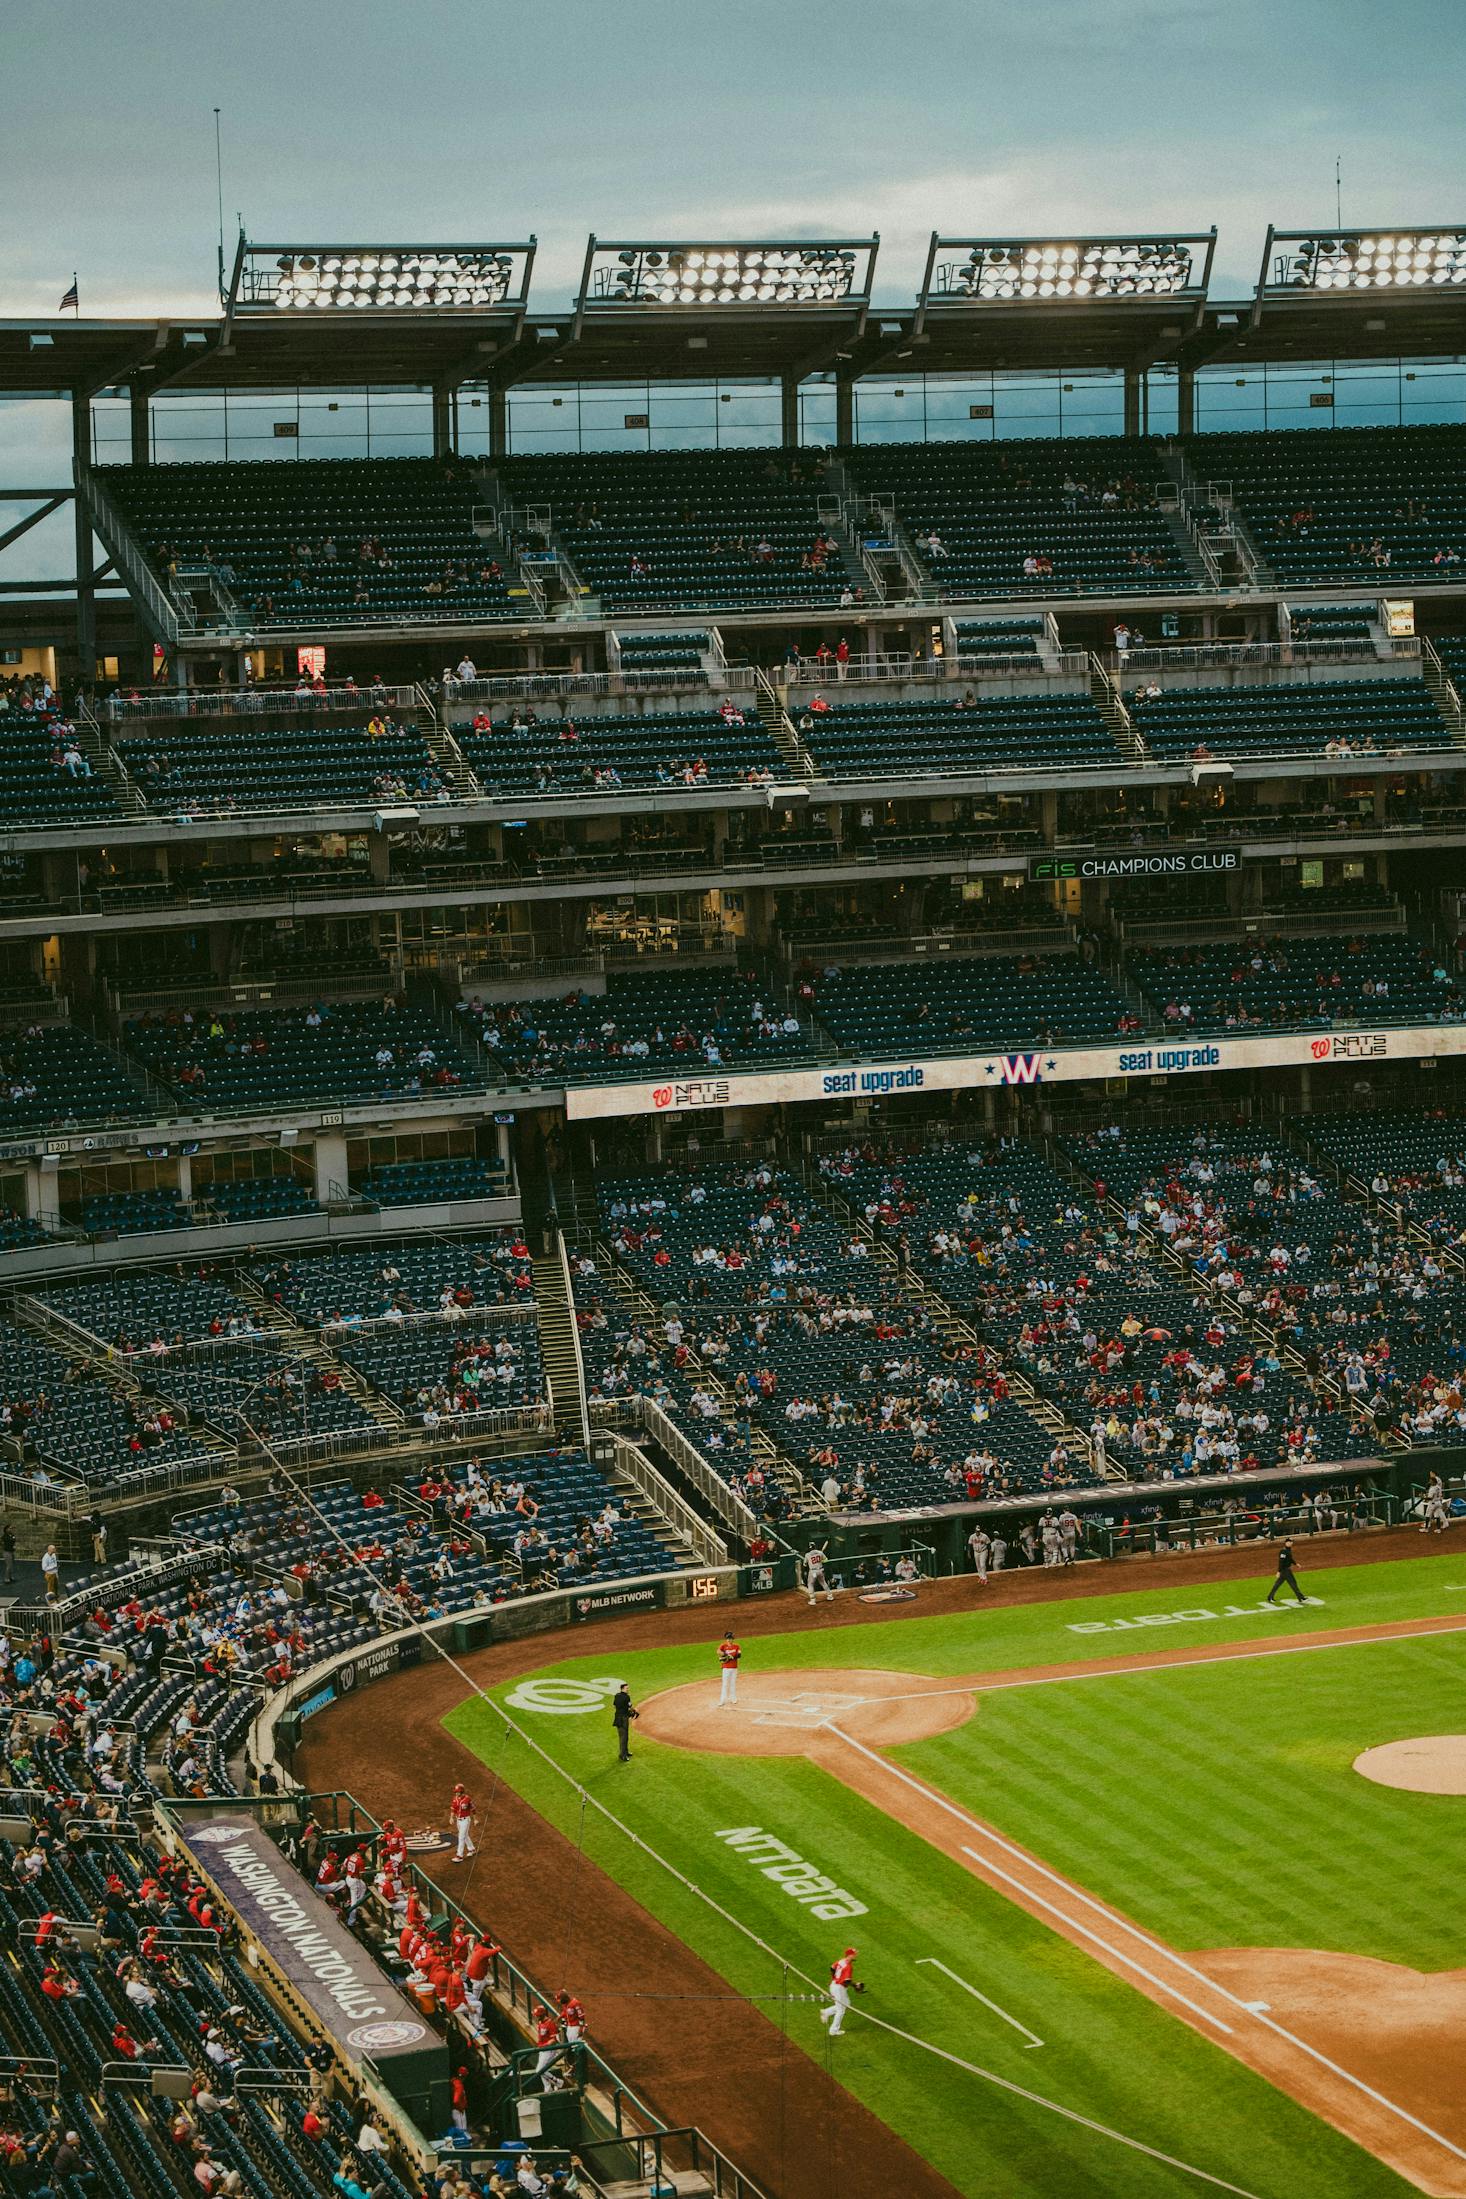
column 1131, row 1915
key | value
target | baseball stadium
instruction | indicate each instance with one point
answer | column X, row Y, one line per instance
column 732, row 1111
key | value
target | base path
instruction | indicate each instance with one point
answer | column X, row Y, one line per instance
column 718, row 2060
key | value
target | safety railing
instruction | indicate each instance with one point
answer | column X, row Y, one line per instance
column 271, row 699
column 645, row 1413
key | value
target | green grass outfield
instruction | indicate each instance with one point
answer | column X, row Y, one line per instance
column 1214, row 1804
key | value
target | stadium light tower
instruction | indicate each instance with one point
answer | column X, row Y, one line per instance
column 279, row 279
column 1068, row 272
column 762, row 275
column 1364, row 259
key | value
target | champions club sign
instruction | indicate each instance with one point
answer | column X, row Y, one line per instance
column 301, row 1939
column 1185, row 1055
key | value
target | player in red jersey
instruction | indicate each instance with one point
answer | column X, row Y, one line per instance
column 460, row 1809
column 730, row 1655
column 842, row 1984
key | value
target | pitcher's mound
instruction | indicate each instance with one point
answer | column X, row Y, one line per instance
column 1436, row 1764
column 786, row 1713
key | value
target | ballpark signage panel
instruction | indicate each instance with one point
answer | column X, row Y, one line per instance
column 300, row 1935
column 602, row 1600
column 1147, row 1057
column 1137, row 863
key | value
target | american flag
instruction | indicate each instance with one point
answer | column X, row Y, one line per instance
column 71, row 303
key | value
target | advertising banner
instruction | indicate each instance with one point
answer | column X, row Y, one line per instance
column 1182, row 1055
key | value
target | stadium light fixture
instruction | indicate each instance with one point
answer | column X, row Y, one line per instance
column 398, row 278
column 1056, row 270
column 1384, row 259
column 699, row 277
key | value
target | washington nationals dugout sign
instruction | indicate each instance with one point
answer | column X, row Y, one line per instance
column 300, row 1937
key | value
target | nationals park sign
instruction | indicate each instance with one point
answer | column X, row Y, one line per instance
column 1147, row 1057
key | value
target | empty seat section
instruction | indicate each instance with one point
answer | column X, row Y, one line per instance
column 659, row 530
column 983, row 733
column 260, row 766
column 1323, row 717
column 967, row 1004
column 321, row 542
column 273, row 1057
column 1347, row 507
column 521, row 754
column 685, row 1021
column 1030, row 518
column 1370, row 977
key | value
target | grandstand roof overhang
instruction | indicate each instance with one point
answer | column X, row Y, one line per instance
column 409, row 350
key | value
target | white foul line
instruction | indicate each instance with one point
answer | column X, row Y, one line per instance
column 1076, row 1893
column 1031, row 2036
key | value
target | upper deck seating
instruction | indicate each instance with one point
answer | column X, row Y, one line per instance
column 1055, row 518
column 655, row 530
column 1324, row 718
column 522, row 754
column 322, row 541
column 1347, row 507
column 976, row 733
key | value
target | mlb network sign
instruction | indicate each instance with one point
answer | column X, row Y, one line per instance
column 1166, row 1056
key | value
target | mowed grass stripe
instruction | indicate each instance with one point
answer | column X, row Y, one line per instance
column 1218, row 1804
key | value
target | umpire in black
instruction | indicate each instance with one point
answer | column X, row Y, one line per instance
column 1287, row 1573
column 622, row 1713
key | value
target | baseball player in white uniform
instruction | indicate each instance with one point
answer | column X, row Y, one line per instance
column 1068, row 1536
column 1435, row 1507
column 1049, row 1536
column 460, row 1809
column 979, row 1542
column 815, row 1576
column 842, row 1985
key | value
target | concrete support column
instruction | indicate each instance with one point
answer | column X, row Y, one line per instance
column 140, row 423
column 498, row 423
column 1048, row 811
column 506, row 1156
column 758, row 909
column 1186, row 401
column 40, row 1190
column 442, row 422
column 788, row 411
column 1133, row 380
column 185, row 1176
column 86, row 599
column 844, row 411
column 379, row 858
column 329, row 1154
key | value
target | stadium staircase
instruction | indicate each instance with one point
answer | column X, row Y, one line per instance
column 950, row 1324
column 776, row 1465
column 1444, row 692
column 97, row 748
column 446, row 754
column 774, row 717
column 309, row 1347
column 1106, row 698
column 559, row 1354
